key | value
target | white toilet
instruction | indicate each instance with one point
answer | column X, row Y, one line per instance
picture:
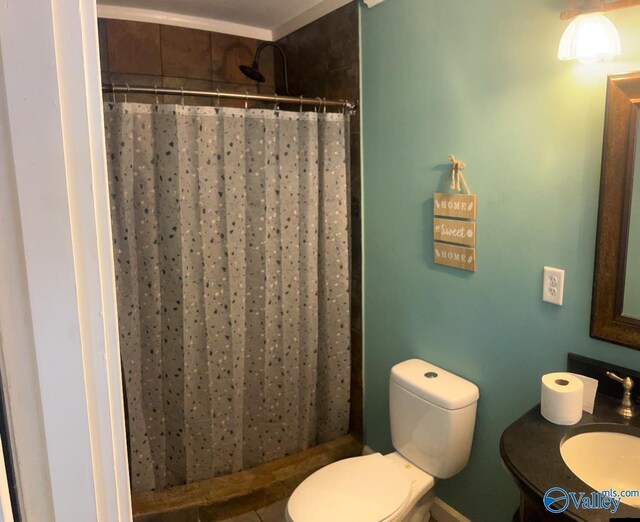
column 433, row 414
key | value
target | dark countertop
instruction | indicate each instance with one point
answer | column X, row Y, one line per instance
column 530, row 450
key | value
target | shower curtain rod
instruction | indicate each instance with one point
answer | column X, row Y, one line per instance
column 346, row 105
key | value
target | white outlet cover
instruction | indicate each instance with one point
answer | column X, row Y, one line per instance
column 553, row 285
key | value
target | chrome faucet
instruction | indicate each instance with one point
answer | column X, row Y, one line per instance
column 626, row 408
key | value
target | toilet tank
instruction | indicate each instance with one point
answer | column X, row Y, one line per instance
column 433, row 415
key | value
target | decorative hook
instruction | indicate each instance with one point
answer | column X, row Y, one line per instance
column 457, row 167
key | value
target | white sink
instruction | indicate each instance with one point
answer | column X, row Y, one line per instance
column 605, row 460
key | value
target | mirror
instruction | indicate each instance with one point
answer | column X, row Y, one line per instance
column 631, row 297
column 615, row 309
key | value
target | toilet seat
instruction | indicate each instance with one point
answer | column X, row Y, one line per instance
column 366, row 489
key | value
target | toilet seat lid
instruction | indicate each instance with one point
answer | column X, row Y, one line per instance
column 366, row 489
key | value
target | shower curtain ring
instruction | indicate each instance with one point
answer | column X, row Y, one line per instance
column 126, row 93
column 315, row 107
column 182, row 95
column 218, row 97
column 113, row 92
column 276, row 106
column 324, row 104
column 155, row 91
column 301, row 98
column 246, row 99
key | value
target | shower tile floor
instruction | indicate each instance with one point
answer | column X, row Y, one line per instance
column 220, row 499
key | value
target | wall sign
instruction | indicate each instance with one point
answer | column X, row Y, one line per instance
column 455, row 256
column 454, row 205
column 454, row 231
column 460, row 230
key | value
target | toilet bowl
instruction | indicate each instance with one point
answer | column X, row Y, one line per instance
column 432, row 421
column 381, row 488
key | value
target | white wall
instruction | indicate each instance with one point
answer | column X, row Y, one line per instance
column 18, row 362
column 58, row 320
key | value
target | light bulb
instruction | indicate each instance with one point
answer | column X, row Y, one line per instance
column 589, row 38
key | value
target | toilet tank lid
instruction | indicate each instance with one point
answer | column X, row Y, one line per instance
column 435, row 385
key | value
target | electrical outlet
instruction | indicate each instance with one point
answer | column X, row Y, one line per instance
column 553, row 285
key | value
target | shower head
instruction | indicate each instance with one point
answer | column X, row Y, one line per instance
column 253, row 71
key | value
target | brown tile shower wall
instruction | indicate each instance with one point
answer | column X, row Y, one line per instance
column 137, row 53
column 324, row 61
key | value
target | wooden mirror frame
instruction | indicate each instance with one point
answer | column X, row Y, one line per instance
column 616, row 185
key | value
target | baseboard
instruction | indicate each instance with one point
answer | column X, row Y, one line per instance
column 443, row 512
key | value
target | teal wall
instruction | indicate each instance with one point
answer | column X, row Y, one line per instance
column 480, row 80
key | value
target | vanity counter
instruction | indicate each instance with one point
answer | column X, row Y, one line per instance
column 530, row 450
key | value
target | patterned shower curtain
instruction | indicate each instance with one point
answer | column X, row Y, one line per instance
column 231, row 246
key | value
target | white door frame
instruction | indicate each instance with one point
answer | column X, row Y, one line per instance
column 58, row 314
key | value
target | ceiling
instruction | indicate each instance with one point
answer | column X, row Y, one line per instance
column 256, row 18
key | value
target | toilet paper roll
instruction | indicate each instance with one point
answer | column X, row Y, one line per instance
column 561, row 398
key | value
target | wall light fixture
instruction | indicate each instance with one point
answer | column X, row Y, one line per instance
column 591, row 36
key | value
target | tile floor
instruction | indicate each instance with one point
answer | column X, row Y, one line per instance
column 272, row 513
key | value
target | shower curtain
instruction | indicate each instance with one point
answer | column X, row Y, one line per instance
column 230, row 237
